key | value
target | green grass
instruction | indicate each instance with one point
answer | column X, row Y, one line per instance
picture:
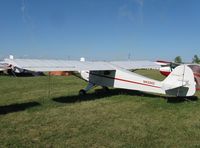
column 33, row 116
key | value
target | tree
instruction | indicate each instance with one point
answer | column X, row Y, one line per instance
column 196, row 59
column 178, row 59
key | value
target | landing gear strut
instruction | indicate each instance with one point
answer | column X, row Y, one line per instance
column 86, row 89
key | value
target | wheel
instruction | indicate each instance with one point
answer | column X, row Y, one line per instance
column 106, row 89
column 82, row 92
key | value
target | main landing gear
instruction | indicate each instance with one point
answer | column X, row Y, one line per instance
column 86, row 89
column 82, row 92
column 90, row 86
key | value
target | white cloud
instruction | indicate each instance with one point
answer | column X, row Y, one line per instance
column 124, row 11
column 140, row 2
column 24, row 10
column 132, row 10
column 23, row 7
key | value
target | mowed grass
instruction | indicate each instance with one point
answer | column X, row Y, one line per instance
column 47, row 112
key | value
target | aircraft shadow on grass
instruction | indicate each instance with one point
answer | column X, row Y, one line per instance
column 99, row 93
column 17, row 107
column 181, row 99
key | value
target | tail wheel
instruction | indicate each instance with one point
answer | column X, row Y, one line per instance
column 106, row 89
column 82, row 92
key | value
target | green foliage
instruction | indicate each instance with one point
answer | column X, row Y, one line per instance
column 178, row 59
column 35, row 117
column 196, row 59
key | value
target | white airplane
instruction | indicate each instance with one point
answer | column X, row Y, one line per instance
column 116, row 74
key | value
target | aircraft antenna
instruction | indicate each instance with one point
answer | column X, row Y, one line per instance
column 129, row 56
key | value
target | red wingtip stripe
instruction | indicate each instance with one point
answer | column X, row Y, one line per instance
column 165, row 73
column 164, row 62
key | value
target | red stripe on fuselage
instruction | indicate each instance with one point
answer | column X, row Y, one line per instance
column 119, row 79
column 136, row 82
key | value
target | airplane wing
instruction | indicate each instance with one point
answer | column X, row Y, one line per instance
column 58, row 65
column 68, row 65
column 3, row 66
column 166, row 63
column 130, row 65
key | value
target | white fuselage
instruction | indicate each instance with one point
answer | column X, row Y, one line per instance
column 126, row 80
column 179, row 83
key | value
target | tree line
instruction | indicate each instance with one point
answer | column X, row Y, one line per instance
column 195, row 59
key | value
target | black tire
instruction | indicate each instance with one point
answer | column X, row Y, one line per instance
column 106, row 89
column 82, row 92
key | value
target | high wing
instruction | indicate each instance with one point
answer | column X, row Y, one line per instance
column 130, row 65
column 68, row 65
column 3, row 66
column 57, row 65
column 166, row 63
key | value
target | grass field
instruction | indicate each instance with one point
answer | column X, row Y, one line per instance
column 47, row 112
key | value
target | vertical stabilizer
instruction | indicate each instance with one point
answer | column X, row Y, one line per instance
column 180, row 82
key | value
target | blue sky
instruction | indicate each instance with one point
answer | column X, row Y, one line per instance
column 100, row 29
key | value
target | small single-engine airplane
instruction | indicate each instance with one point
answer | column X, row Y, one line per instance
column 180, row 81
column 167, row 67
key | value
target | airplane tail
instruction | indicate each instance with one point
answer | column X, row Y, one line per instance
column 180, row 82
